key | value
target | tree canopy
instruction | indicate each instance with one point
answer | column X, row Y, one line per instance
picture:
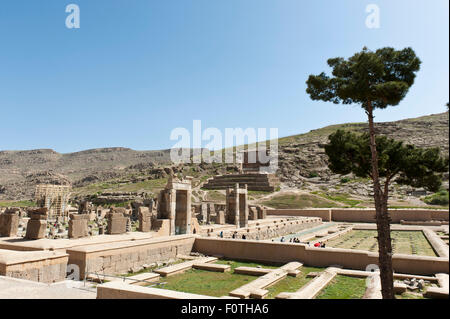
column 381, row 78
column 349, row 152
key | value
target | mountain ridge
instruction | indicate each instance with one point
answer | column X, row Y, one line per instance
column 301, row 158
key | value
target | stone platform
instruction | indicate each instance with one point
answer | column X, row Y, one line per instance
column 254, row 181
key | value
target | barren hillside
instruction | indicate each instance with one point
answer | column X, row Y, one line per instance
column 302, row 162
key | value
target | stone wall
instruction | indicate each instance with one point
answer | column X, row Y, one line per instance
column 274, row 252
column 40, row 266
column 120, row 257
column 277, row 230
column 364, row 215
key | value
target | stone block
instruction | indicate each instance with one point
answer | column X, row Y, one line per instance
column 145, row 219
column 117, row 223
column 220, row 218
column 36, row 227
column 9, row 223
column 78, row 225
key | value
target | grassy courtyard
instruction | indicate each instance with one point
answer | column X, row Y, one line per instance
column 218, row 284
column 403, row 242
column 344, row 287
column 292, row 284
column 210, row 283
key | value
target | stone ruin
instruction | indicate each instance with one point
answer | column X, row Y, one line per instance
column 257, row 170
column 78, row 225
column 220, row 217
column 236, row 206
column 9, row 222
column 117, row 221
column 37, row 224
column 145, row 219
column 205, row 212
column 174, row 203
column 85, row 207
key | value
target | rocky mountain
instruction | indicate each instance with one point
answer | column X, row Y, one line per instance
column 20, row 171
column 302, row 161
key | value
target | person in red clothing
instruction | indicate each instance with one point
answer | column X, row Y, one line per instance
column 317, row 244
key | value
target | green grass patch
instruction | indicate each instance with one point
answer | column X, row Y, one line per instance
column 291, row 284
column 340, row 197
column 207, row 283
column 439, row 198
column 216, row 196
column 344, row 287
column 408, row 295
column 403, row 242
column 22, row 203
column 210, row 283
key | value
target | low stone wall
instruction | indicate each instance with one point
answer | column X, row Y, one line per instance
column 325, row 214
column 364, row 215
column 42, row 266
column 277, row 229
column 120, row 257
column 119, row 290
column 274, row 252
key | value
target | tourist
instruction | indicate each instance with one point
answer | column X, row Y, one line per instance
column 243, row 236
column 317, row 245
column 282, row 239
column 221, row 234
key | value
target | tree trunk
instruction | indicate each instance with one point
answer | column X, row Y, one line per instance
column 382, row 219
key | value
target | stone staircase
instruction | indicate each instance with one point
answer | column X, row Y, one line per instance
column 255, row 182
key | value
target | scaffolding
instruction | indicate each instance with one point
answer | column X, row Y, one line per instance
column 54, row 197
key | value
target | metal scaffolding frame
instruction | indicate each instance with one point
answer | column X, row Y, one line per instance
column 54, row 197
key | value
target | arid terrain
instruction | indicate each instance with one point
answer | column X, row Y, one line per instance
column 305, row 178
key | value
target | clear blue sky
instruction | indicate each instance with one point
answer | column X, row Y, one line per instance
column 136, row 69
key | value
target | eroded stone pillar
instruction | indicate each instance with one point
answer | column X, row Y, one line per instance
column 117, row 222
column 78, row 225
column 145, row 219
column 37, row 224
column 9, row 222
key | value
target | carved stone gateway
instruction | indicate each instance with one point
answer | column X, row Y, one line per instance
column 237, row 207
column 78, row 225
column 9, row 222
column 37, row 224
column 174, row 203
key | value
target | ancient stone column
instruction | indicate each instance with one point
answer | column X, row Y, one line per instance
column 37, row 224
